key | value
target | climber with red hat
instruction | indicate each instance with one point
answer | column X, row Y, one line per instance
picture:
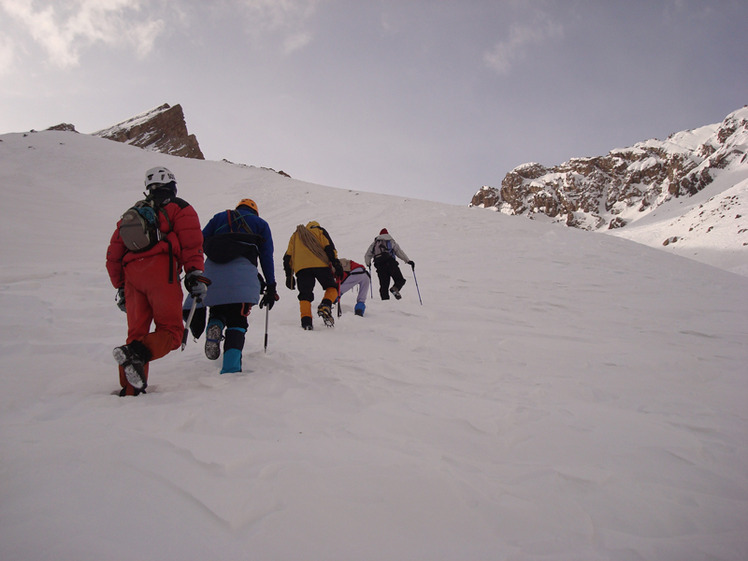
column 384, row 250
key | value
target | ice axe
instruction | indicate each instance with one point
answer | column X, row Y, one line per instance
column 206, row 282
column 188, row 322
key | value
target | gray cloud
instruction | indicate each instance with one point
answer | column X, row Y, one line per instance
column 522, row 38
column 65, row 29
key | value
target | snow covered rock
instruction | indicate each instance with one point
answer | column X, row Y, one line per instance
column 625, row 185
column 162, row 129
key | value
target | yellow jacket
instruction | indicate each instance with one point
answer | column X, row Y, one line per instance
column 298, row 256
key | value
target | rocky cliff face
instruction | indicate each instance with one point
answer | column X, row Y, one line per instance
column 162, row 129
column 617, row 189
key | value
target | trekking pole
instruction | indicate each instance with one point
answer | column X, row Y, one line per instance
column 416, row 280
column 371, row 284
column 340, row 313
column 188, row 322
column 267, row 316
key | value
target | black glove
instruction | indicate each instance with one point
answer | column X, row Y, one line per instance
column 196, row 284
column 338, row 268
column 290, row 282
column 263, row 284
column 120, row 299
column 270, row 297
column 412, row 264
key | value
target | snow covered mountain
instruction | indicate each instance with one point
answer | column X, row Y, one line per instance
column 162, row 129
column 685, row 193
column 559, row 395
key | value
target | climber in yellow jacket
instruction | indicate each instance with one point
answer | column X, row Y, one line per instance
column 312, row 256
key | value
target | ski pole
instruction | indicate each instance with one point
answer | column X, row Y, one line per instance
column 416, row 280
column 267, row 316
column 188, row 322
column 371, row 284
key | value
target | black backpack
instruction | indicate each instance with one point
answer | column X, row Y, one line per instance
column 139, row 227
column 240, row 241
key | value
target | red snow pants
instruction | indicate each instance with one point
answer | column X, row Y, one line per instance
column 150, row 298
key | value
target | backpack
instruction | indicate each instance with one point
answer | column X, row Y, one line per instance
column 139, row 227
column 240, row 241
column 383, row 250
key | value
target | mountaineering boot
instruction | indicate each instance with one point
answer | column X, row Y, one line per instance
column 213, row 336
column 232, row 361
column 232, row 350
column 123, row 392
column 306, row 323
column 324, row 310
column 132, row 358
column 359, row 309
column 397, row 288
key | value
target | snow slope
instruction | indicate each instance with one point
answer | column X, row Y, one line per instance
column 710, row 227
column 559, row 395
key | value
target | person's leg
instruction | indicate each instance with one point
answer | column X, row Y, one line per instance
column 363, row 287
column 134, row 355
column 327, row 281
column 347, row 284
column 305, row 283
column 165, row 302
column 214, row 332
column 236, row 328
column 362, row 279
column 397, row 276
column 383, row 274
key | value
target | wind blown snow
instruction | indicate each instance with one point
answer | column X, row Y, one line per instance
column 559, row 395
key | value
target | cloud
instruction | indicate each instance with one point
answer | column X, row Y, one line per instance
column 7, row 55
column 296, row 42
column 287, row 18
column 504, row 54
column 281, row 13
column 65, row 28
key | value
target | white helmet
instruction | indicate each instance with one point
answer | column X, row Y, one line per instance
column 158, row 176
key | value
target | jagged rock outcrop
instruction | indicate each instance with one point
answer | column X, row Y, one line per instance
column 616, row 189
column 162, row 129
column 65, row 127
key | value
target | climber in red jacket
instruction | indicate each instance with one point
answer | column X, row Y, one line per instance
column 147, row 280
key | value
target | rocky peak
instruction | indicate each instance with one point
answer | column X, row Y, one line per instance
column 614, row 190
column 162, row 129
column 65, row 127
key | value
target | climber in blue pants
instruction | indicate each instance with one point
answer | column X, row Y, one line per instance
column 235, row 242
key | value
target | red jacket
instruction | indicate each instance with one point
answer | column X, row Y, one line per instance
column 184, row 233
column 354, row 266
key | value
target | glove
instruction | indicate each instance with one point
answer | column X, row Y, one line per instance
column 196, row 284
column 290, row 282
column 270, row 297
column 338, row 268
column 412, row 264
column 120, row 299
column 263, row 284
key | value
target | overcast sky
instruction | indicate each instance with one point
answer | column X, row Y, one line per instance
column 425, row 99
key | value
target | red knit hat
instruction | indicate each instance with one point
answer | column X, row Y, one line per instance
column 384, row 231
